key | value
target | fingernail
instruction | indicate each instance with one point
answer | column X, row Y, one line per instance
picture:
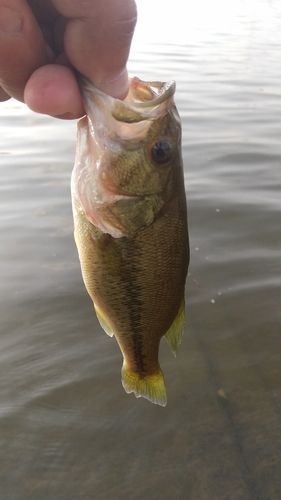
column 10, row 21
column 117, row 86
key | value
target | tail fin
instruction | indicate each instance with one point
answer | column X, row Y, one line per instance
column 151, row 387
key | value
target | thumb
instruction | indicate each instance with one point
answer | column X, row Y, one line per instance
column 97, row 41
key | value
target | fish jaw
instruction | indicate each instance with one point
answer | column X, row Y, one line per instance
column 112, row 212
column 88, row 182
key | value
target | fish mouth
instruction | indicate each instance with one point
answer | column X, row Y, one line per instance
column 149, row 94
column 144, row 101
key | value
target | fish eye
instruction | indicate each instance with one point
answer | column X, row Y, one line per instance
column 162, row 151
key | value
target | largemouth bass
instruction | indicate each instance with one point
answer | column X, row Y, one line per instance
column 130, row 221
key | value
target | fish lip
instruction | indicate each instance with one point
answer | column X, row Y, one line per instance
column 166, row 91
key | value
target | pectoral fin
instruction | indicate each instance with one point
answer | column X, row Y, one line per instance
column 175, row 332
column 103, row 322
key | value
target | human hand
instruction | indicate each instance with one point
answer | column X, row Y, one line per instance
column 43, row 41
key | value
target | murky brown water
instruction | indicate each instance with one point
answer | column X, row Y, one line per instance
column 67, row 428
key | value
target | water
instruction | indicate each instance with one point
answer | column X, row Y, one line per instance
column 67, row 428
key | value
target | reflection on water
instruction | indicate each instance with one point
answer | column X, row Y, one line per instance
column 68, row 430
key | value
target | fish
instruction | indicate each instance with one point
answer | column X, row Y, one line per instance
column 130, row 224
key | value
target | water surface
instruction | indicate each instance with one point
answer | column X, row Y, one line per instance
column 68, row 430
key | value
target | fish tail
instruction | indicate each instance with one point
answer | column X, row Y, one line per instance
column 151, row 387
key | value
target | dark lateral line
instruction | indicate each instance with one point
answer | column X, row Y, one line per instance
column 134, row 304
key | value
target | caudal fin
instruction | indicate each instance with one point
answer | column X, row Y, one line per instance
column 151, row 387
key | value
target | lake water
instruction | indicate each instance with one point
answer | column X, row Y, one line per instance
column 68, row 431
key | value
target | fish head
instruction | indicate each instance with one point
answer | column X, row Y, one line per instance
column 128, row 156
